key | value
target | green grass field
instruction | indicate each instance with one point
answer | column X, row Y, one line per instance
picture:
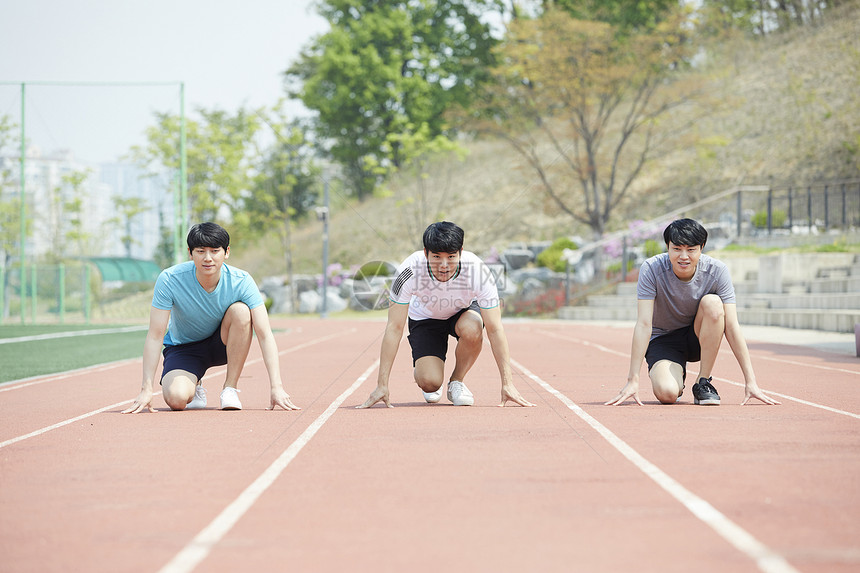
column 25, row 359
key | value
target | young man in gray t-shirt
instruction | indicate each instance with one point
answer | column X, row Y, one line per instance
column 686, row 304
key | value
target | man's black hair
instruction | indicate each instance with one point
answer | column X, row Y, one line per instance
column 685, row 232
column 208, row 235
column 443, row 237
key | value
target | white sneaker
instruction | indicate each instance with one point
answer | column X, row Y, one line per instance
column 199, row 400
column 459, row 395
column 230, row 399
column 433, row 397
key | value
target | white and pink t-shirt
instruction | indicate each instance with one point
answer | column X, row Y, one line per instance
column 429, row 298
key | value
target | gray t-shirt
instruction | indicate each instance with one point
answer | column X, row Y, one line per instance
column 675, row 301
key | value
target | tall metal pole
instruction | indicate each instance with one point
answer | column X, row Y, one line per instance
column 181, row 220
column 177, row 229
column 325, row 216
column 183, row 161
column 23, row 210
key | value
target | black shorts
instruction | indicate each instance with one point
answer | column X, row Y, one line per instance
column 679, row 346
column 429, row 337
column 195, row 357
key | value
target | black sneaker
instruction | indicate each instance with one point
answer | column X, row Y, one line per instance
column 705, row 394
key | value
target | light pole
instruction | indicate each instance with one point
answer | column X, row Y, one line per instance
column 323, row 214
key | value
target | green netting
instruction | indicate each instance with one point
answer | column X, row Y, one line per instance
column 124, row 269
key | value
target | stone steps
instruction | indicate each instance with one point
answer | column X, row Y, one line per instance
column 808, row 295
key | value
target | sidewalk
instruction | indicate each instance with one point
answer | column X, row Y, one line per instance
column 836, row 342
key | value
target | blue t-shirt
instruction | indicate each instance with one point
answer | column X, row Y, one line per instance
column 195, row 313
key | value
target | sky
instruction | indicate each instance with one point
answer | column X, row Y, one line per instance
column 228, row 54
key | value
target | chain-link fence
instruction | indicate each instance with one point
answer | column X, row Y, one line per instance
column 74, row 292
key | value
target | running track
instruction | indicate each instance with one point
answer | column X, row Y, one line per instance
column 570, row 485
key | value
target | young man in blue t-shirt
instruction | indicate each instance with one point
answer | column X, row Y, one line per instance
column 686, row 305
column 203, row 314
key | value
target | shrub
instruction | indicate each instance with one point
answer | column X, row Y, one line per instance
column 374, row 269
column 551, row 256
column 652, row 248
column 778, row 218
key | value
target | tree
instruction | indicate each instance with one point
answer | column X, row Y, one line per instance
column 760, row 17
column 419, row 203
column 66, row 216
column 583, row 107
column 386, row 65
column 623, row 15
column 285, row 188
column 9, row 196
column 128, row 208
column 10, row 212
column 220, row 150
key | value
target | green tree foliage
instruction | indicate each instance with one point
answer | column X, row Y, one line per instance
column 422, row 199
column 220, row 149
column 384, row 66
column 286, row 186
column 127, row 209
column 584, row 107
column 72, row 217
column 10, row 211
column 623, row 15
column 10, row 220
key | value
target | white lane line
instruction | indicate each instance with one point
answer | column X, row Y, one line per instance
column 200, row 547
column 24, row 382
column 46, row 429
column 795, row 363
column 71, row 333
column 785, row 396
column 757, row 357
column 766, row 559
column 212, row 374
column 793, row 399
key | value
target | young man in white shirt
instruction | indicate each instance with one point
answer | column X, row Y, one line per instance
column 444, row 291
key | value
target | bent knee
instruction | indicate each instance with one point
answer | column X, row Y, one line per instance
column 428, row 383
column 175, row 403
column 666, row 395
column 238, row 312
column 667, row 381
column 712, row 307
column 176, row 400
column 177, row 388
column 471, row 335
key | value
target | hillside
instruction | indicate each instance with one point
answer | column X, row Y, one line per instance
column 785, row 109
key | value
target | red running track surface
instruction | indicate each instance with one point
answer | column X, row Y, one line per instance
column 570, row 485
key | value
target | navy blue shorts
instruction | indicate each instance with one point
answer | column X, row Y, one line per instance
column 429, row 337
column 679, row 346
column 195, row 357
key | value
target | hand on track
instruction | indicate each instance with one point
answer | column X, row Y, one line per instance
column 141, row 403
column 282, row 399
column 512, row 394
column 753, row 391
column 630, row 390
column 376, row 396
